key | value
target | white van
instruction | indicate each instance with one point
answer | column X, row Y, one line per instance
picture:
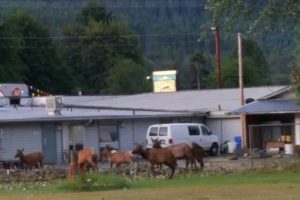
column 175, row 133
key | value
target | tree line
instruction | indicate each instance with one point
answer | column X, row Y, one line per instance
column 96, row 51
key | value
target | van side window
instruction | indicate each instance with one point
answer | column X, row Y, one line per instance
column 163, row 131
column 194, row 130
column 153, row 131
column 205, row 131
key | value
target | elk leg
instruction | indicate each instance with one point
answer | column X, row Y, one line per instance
column 201, row 162
column 92, row 164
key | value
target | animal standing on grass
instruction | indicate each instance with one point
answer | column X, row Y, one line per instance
column 31, row 159
column 115, row 157
column 157, row 157
column 180, row 151
column 198, row 154
column 86, row 156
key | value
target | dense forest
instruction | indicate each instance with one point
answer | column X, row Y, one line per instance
column 169, row 34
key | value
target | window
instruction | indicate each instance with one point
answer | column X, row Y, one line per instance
column 163, row 131
column 76, row 137
column 109, row 133
column 205, row 131
column 194, row 130
column 153, row 131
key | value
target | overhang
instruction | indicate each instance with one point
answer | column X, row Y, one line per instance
column 268, row 107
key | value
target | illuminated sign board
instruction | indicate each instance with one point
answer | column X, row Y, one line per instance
column 164, row 81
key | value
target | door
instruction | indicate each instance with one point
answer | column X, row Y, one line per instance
column 49, row 144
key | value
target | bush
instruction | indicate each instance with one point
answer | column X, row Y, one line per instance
column 94, row 182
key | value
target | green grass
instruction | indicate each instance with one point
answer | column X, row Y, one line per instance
column 93, row 182
column 241, row 178
column 102, row 182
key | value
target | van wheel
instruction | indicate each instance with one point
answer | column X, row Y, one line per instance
column 214, row 149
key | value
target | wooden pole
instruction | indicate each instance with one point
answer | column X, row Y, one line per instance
column 218, row 58
column 241, row 85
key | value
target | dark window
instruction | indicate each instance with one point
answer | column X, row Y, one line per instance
column 153, row 131
column 163, row 131
column 205, row 131
column 194, row 130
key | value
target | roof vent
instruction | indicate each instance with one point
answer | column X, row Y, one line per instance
column 249, row 100
column 54, row 105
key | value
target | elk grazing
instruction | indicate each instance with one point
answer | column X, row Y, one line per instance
column 185, row 151
column 87, row 156
column 198, row 154
column 180, row 151
column 31, row 159
column 115, row 157
column 157, row 157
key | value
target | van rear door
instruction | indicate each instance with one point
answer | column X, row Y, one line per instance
column 152, row 133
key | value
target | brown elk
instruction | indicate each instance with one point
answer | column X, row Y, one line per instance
column 184, row 151
column 198, row 154
column 157, row 157
column 31, row 159
column 115, row 157
column 86, row 156
column 180, row 151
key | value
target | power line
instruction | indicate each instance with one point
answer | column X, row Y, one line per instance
column 104, row 36
column 112, row 4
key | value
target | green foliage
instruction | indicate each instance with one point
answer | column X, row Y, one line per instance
column 94, row 48
column 96, row 13
column 94, row 182
column 201, row 68
column 11, row 69
column 126, row 77
column 263, row 15
column 254, row 67
column 35, row 51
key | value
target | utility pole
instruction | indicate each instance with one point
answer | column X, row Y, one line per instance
column 241, row 83
column 218, row 57
column 241, row 78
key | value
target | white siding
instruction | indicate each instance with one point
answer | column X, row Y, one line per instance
column 91, row 137
column 126, row 135
column 65, row 136
column 18, row 137
column 140, row 130
column 134, row 132
column 59, row 146
column 225, row 129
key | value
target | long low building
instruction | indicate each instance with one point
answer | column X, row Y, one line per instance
column 53, row 125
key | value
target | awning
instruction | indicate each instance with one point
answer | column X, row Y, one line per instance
column 269, row 106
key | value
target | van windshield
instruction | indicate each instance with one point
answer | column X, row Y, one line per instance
column 205, row 131
column 153, row 131
column 163, row 131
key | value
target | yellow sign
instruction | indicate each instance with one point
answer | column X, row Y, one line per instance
column 164, row 81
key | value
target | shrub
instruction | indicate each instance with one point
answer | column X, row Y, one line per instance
column 94, row 182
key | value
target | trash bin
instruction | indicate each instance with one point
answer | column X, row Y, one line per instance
column 289, row 149
column 238, row 140
column 231, row 146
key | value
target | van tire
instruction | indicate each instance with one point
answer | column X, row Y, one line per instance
column 214, row 149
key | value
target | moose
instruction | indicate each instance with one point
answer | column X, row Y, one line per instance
column 115, row 157
column 157, row 157
column 31, row 159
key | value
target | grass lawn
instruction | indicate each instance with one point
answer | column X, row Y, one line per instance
column 276, row 185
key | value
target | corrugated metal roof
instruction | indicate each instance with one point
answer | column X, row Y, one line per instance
column 193, row 100
column 269, row 106
column 198, row 102
column 25, row 114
